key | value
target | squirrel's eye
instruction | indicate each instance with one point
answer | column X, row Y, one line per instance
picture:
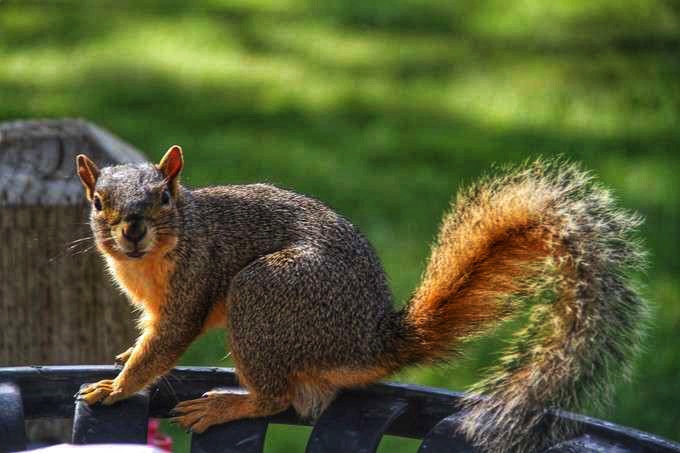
column 97, row 202
column 165, row 197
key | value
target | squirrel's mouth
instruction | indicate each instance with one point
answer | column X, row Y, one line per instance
column 135, row 254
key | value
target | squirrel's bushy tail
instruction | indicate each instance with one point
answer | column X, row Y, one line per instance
column 546, row 238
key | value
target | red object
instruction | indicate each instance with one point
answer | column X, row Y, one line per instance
column 156, row 438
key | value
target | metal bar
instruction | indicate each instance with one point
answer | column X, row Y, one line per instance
column 241, row 436
column 48, row 392
column 125, row 422
column 354, row 423
column 444, row 438
column 587, row 443
column 602, row 431
column 12, row 430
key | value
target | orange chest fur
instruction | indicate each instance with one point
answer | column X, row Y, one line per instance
column 146, row 281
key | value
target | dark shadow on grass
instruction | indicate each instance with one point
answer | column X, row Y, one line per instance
column 68, row 23
column 367, row 140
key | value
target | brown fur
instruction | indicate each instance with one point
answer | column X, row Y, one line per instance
column 217, row 317
column 481, row 253
column 309, row 311
column 443, row 315
column 311, row 391
column 542, row 239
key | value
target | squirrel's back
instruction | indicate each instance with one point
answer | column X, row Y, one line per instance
column 249, row 221
column 248, row 225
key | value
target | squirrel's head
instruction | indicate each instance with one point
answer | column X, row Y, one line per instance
column 134, row 207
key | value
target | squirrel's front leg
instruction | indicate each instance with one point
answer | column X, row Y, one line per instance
column 122, row 358
column 155, row 353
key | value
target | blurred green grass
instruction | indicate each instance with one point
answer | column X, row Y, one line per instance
column 383, row 110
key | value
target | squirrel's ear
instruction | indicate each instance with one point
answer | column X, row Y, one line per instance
column 171, row 165
column 88, row 173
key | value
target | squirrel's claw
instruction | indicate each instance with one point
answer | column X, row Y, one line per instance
column 97, row 392
column 190, row 422
column 114, row 397
column 104, row 392
column 122, row 358
column 200, row 414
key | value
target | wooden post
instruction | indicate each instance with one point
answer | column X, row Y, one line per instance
column 57, row 304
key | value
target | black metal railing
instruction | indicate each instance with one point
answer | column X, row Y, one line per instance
column 355, row 422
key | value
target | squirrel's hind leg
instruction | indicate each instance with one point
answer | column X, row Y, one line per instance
column 254, row 399
column 223, row 406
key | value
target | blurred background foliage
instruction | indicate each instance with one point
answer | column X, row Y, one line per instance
column 383, row 109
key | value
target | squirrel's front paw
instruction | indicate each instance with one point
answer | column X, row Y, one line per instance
column 106, row 392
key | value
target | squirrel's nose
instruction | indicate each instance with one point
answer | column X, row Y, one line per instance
column 134, row 229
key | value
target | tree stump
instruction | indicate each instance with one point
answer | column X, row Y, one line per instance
column 57, row 304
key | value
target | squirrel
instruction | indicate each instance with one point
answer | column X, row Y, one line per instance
column 308, row 309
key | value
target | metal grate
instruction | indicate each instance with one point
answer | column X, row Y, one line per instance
column 355, row 422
